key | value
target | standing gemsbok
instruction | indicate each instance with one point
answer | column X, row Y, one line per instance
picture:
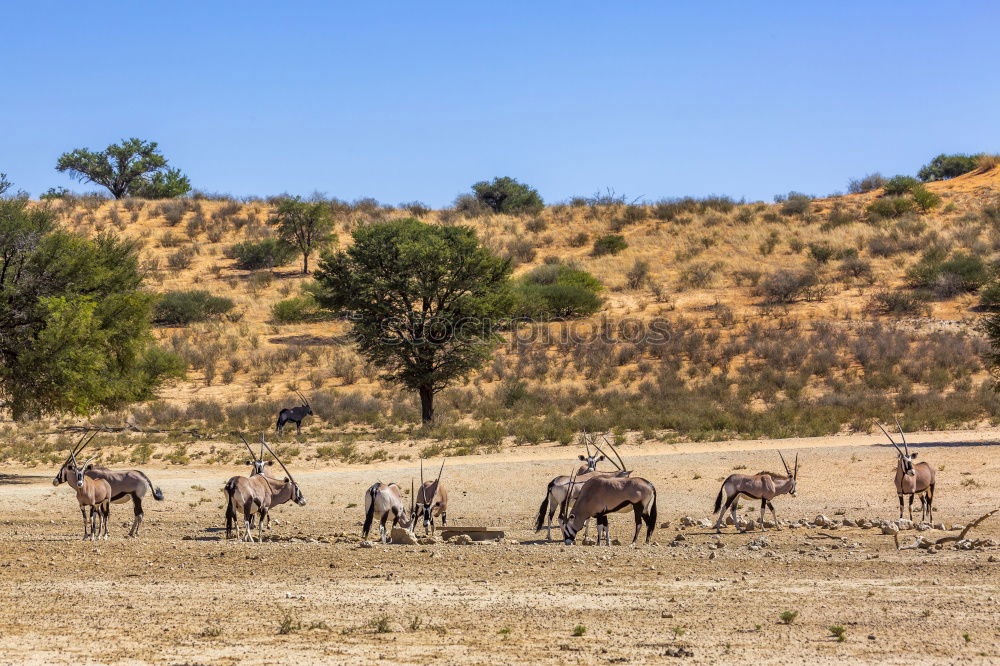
column 432, row 500
column 254, row 496
column 125, row 484
column 602, row 495
column 560, row 488
column 383, row 499
column 294, row 414
column 912, row 479
column 93, row 493
column 764, row 486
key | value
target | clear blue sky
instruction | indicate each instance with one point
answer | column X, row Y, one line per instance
column 418, row 100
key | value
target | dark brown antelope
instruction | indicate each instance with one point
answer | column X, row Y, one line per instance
column 125, row 485
column 92, row 493
column 432, row 500
column 763, row 486
column 912, row 479
column 560, row 488
column 295, row 415
column 254, row 496
column 383, row 499
column 601, row 495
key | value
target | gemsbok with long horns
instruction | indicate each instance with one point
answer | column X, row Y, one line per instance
column 383, row 499
column 92, row 493
column 125, row 484
column 294, row 414
column 431, row 500
column 912, row 479
column 560, row 488
column 763, row 486
column 256, row 495
column 601, row 495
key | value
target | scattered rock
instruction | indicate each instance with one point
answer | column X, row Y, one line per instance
column 821, row 520
column 678, row 651
column 366, row 544
column 890, row 528
column 462, row 540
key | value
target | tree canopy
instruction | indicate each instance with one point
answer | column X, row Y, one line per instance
column 506, row 195
column 424, row 301
column 944, row 166
column 131, row 168
column 74, row 320
column 306, row 225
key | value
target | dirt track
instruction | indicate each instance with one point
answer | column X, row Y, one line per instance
column 182, row 595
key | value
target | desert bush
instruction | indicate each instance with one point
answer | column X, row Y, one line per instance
column 520, row 250
column 944, row 166
column 416, row 208
column 256, row 255
column 638, row 274
column 173, row 211
column 900, row 185
column 300, row 309
column 794, row 203
column 896, row 303
column 184, row 307
column 181, row 259
column 889, row 208
column 468, row 205
column 556, row 291
column 838, row 216
column 856, row 268
column 579, row 239
column 924, row 198
column 821, row 252
column 872, row 181
column 536, row 225
column 609, row 244
column 699, row 274
column 948, row 275
column 989, row 296
column 785, row 285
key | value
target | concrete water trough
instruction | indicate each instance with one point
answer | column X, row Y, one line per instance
column 476, row 533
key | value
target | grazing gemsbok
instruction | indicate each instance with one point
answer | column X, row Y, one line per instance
column 254, row 496
column 93, row 493
column 294, row 414
column 431, row 500
column 125, row 484
column 601, row 495
column 764, row 486
column 559, row 487
column 912, row 479
column 383, row 499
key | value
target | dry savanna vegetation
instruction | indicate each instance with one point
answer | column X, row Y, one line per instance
column 715, row 319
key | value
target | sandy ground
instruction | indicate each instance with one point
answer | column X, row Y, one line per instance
column 181, row 594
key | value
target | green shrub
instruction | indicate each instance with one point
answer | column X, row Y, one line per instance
column 609, row 244
column 872, row 181
column 889, row 208
column 944, row 166
column 184, row 307
column 896, row 303
column 989, row 296
column 794, row 203
column 268, row 253
column 785, row 285
column 556, row 291
column 924, row 198
column 899, row 185
column 961, row 272
column 506, row 195
column 821, row 252
column 299, row 309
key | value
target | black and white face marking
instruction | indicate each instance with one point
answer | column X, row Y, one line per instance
column 908, row 464
column 297, row 496
column 569, row 532
column 60, row 477
column 591, row 461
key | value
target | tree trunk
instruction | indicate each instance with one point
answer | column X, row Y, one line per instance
column 305, row 263
column 426, row 404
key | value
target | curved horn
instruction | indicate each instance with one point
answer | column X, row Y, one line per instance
column 586, row 444
column 262, row 445
column 795, row 474
column 564, row 511
column 608, row 442
column 413, row 505
column 421, row 475
column 905, row 446
column 76, row 448
column 278, row 459
column 890, row 438
column 302, row 398
column 253, row 456
column 787, row 471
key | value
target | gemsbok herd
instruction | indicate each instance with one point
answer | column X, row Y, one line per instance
column 585, row 494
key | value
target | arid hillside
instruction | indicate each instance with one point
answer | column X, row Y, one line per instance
column 720, row 319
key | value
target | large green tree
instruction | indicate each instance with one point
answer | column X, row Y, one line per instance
column 75, row 332
column 506, row 195
column 306, row 225
column 424, row 300
column 131, row 168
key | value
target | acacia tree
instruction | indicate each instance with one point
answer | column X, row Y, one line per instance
column 131, row 168
column 424, row 301
column 307, row 226
column 74, row 319
column 506, row 195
